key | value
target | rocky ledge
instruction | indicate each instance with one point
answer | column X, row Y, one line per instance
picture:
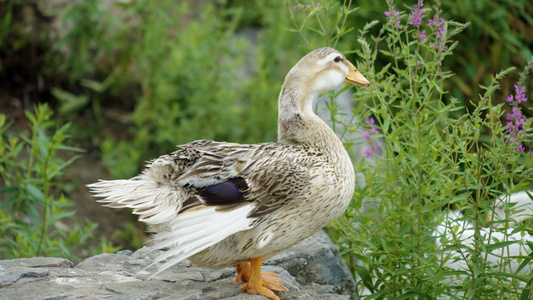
column 312, row 269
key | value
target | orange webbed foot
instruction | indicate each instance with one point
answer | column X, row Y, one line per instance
column 243, row 272
column 257, row 282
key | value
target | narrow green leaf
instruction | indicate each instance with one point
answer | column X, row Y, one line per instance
column 491, row 247
column 36, row 193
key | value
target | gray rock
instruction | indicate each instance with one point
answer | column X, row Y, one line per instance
column 24, row 270
column 310, row 270
column 316, row 260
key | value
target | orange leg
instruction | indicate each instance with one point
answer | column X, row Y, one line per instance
column 257, row 282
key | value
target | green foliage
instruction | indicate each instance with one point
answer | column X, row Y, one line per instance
column 90, row 23
column 6, row 21
column 500, row 37
column 35, row 218
column 442, row 145
column 8, row 40
column 199, row 83
column 130, row 233
column 430, row 161
column 185, row 66
column 327, row 21
column 191, row 72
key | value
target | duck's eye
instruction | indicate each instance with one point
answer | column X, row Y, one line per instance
column 337, row 59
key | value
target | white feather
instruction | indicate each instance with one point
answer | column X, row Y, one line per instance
column 324, row 61
column 158, row 204
column 186, row 238
column 155, row 204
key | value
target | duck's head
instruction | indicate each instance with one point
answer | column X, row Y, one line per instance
column 321, row 70
column 324, row 69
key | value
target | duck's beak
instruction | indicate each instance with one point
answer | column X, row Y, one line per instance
column 354, row 77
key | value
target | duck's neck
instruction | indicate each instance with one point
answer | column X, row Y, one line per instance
column 294, row 100
column 298, row 124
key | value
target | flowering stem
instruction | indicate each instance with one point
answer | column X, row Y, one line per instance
column 343, row 22
column 295, row 24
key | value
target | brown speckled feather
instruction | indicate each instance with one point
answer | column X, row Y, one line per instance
column 275, row 174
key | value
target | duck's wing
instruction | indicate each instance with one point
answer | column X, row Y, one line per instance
column 207, row 191
column 266, row 176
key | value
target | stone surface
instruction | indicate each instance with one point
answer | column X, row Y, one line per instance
column 310, row 270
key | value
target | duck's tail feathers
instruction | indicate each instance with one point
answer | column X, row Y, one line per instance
column 186, row 238
column 154, row 203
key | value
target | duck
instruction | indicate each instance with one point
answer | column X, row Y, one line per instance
column 222, row 204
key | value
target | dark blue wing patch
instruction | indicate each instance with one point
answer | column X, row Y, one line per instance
column 228, row 192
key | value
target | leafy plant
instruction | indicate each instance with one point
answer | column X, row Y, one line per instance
column 195, row 77
column 434, row 154
column 35, row 218
column 7, row 12
column 432, row 149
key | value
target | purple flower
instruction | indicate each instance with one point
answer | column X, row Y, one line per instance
column 393, row 15
column 304, row 7
column 520, row 94
column 441, row 31
column 370, row 122
column 373, row 150
column 438, row 22
column 435, row 21
column 394, row 12
column 423, row 36
column 417, row 15
column 437, row 45
column 368, row 153
column 515, row 121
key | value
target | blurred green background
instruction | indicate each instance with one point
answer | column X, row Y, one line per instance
column 135, row 78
